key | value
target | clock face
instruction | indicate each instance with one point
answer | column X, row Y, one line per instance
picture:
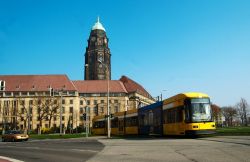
column 99, row 41
column 100, row 58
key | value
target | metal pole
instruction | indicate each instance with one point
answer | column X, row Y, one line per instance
column 108, row 110
column 3, row 119
column 61, row 115
column 109, row 130
column 87, row 123
column 28, row 120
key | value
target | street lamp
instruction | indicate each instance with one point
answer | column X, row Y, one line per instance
column 161, row 93
column 87, row 117
column 108, row 110
column 60, row 92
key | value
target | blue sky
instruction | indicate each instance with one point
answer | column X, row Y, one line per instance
column 167, row 46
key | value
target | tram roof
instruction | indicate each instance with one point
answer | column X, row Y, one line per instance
column 148, row 107
column 186, row 95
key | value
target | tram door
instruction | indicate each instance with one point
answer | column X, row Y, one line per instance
column 121, row 126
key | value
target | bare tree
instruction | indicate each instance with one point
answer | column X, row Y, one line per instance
column 22, row 113
column 216, row 112
column 229, row 113
column 47, row 108
column 53, row 107
column 242, row 111
column 42, row 110
column 8, row 114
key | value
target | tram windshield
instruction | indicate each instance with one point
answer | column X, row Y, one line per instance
column 201, row 110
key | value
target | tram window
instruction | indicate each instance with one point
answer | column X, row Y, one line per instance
column 165, row 117
column 99, row 124
column 132, row 121
column 114, row 123
column 173, row 115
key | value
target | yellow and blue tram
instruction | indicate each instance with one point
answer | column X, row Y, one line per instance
column 182, row 114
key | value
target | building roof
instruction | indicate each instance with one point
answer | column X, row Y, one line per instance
column 37, row 82
column 132, row 86
column 98, row 25
column 57, row 82
column 99, row 86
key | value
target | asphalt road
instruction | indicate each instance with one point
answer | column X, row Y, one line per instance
column 209, row 149
column 100, row 149
column 65, row 150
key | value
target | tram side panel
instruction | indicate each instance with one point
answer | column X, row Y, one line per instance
column 150, row 119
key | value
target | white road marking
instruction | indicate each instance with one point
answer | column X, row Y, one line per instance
column 10, row 159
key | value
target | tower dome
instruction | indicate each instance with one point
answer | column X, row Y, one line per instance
column 98, row 25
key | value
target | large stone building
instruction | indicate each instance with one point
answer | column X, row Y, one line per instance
column 50, row 101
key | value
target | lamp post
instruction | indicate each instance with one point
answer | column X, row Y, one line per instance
column 108, row 109
column 161, row 93
column 87, row 117
column 60, row 93
column 61, row 112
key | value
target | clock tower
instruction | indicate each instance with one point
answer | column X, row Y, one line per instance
column 97, row 55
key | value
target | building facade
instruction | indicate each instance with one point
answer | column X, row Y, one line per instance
column 34, row 102
column 47, row 102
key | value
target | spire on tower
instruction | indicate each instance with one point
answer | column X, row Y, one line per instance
column 98, row 25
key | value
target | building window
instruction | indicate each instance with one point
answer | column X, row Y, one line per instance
column 39, row 102
column 46, row 125
column 102, row 110
column 88, row 102
column 71, row 101
column 22, row 111
column 24, row 93
column 63, row 101
column 22, row 102
column 31, row 102
column 71, row 109
column 102, row 101
column 115, row 101
column 116, row 109
column 81, row 102
column 63, row 110
column 32, row 93
column 63, row 118
column 8, row 94
column 95, row 102
column 81, row 110
column 31, row 110
column 54, row 125
column 55, row 102
column 95, row 110
column 54, row 118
